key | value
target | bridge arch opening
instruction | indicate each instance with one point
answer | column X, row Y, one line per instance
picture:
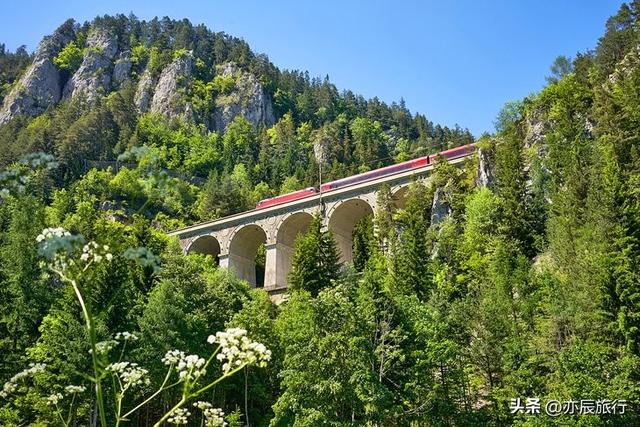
column 342, row 222
column 244, row 248
column 399, row 197
column 206, row 245
column 292, row 226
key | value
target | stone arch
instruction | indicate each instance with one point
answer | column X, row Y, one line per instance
column 288, row 230
column 207, row 245
column 342, row 219
column 243, row 248
column 399, row 196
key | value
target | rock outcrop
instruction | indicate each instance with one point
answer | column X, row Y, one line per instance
column 484, row 177
column 440, row 208
column 40, row 87
column 144, row 92
column 93, row 78
column 168, row 97
column 122, row 69
column 248, row 99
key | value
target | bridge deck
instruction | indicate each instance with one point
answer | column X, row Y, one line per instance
column 230, row 220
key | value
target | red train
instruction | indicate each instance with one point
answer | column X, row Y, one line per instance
column 376, row 173
column 300, row 194
column 451, row 154
column 454, row 153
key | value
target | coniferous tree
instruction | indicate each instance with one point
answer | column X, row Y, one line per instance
column 412, row 257
column 315, row 263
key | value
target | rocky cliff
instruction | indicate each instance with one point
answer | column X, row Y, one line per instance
column 93, row 78
column 106, row 66
column 248, row 99
column 168, row 97
column 41, row 85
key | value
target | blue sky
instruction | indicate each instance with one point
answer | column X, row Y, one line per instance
column 455, row 62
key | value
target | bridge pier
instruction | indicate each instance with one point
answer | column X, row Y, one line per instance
column 270, row 267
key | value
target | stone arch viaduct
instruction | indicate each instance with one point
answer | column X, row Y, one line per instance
column 234, row 240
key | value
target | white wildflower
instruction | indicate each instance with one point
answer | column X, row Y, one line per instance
column 126, row 336
column 214, row 417
column 179, row 416
column 96, row 253
column 202, row 405
column 54, row 398
column 7, row 389
column 72, row 389
column 130, row 374
column 135, row 376
column 103, row 347
column 236, row 349
column 191, row 367
column 172, row 357
column 49, row 233
column 11, row 385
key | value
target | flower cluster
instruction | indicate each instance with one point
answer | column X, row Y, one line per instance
column 202, row 405
column 189, row 367
column 104, row 347
column 10, row 386
column 60, row 247
column 214, row 417
column 92, row 252
column 179, row 416
column 126, row 336
column 50, row 233
column 72, row 389
column 130, row 374
column 56, row 245
column 54, row 398
column 172, row 357
column 236, row 349
column 69, row 390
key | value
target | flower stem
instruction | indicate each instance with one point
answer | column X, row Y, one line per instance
column 94, row 356
column 166, row 378
column 171, row 411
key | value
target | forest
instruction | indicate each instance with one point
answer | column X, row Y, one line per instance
column 529, row 287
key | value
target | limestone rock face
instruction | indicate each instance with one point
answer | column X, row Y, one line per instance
column 93, row 78
column 484, row 177
column 536, row 130
column 248, row 99
column 40, row 87
column 168, row 99
column 144, row 92
column 440, row 208
column 122, row 69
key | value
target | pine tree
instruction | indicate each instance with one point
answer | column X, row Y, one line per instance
column 383, row 220
column 315, row 261
column 362, row 243
column 411, row 260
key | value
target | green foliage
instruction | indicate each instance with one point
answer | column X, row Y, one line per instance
column 69, row 58
column 290, row 184
column 138, row 54
column 527, row 288
column 315, row 260
column 412, row 273
column 561, row 67
column 224, row 85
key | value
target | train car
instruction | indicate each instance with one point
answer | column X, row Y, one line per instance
column 296, row 195
column 376, row 173
column 454, row 153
